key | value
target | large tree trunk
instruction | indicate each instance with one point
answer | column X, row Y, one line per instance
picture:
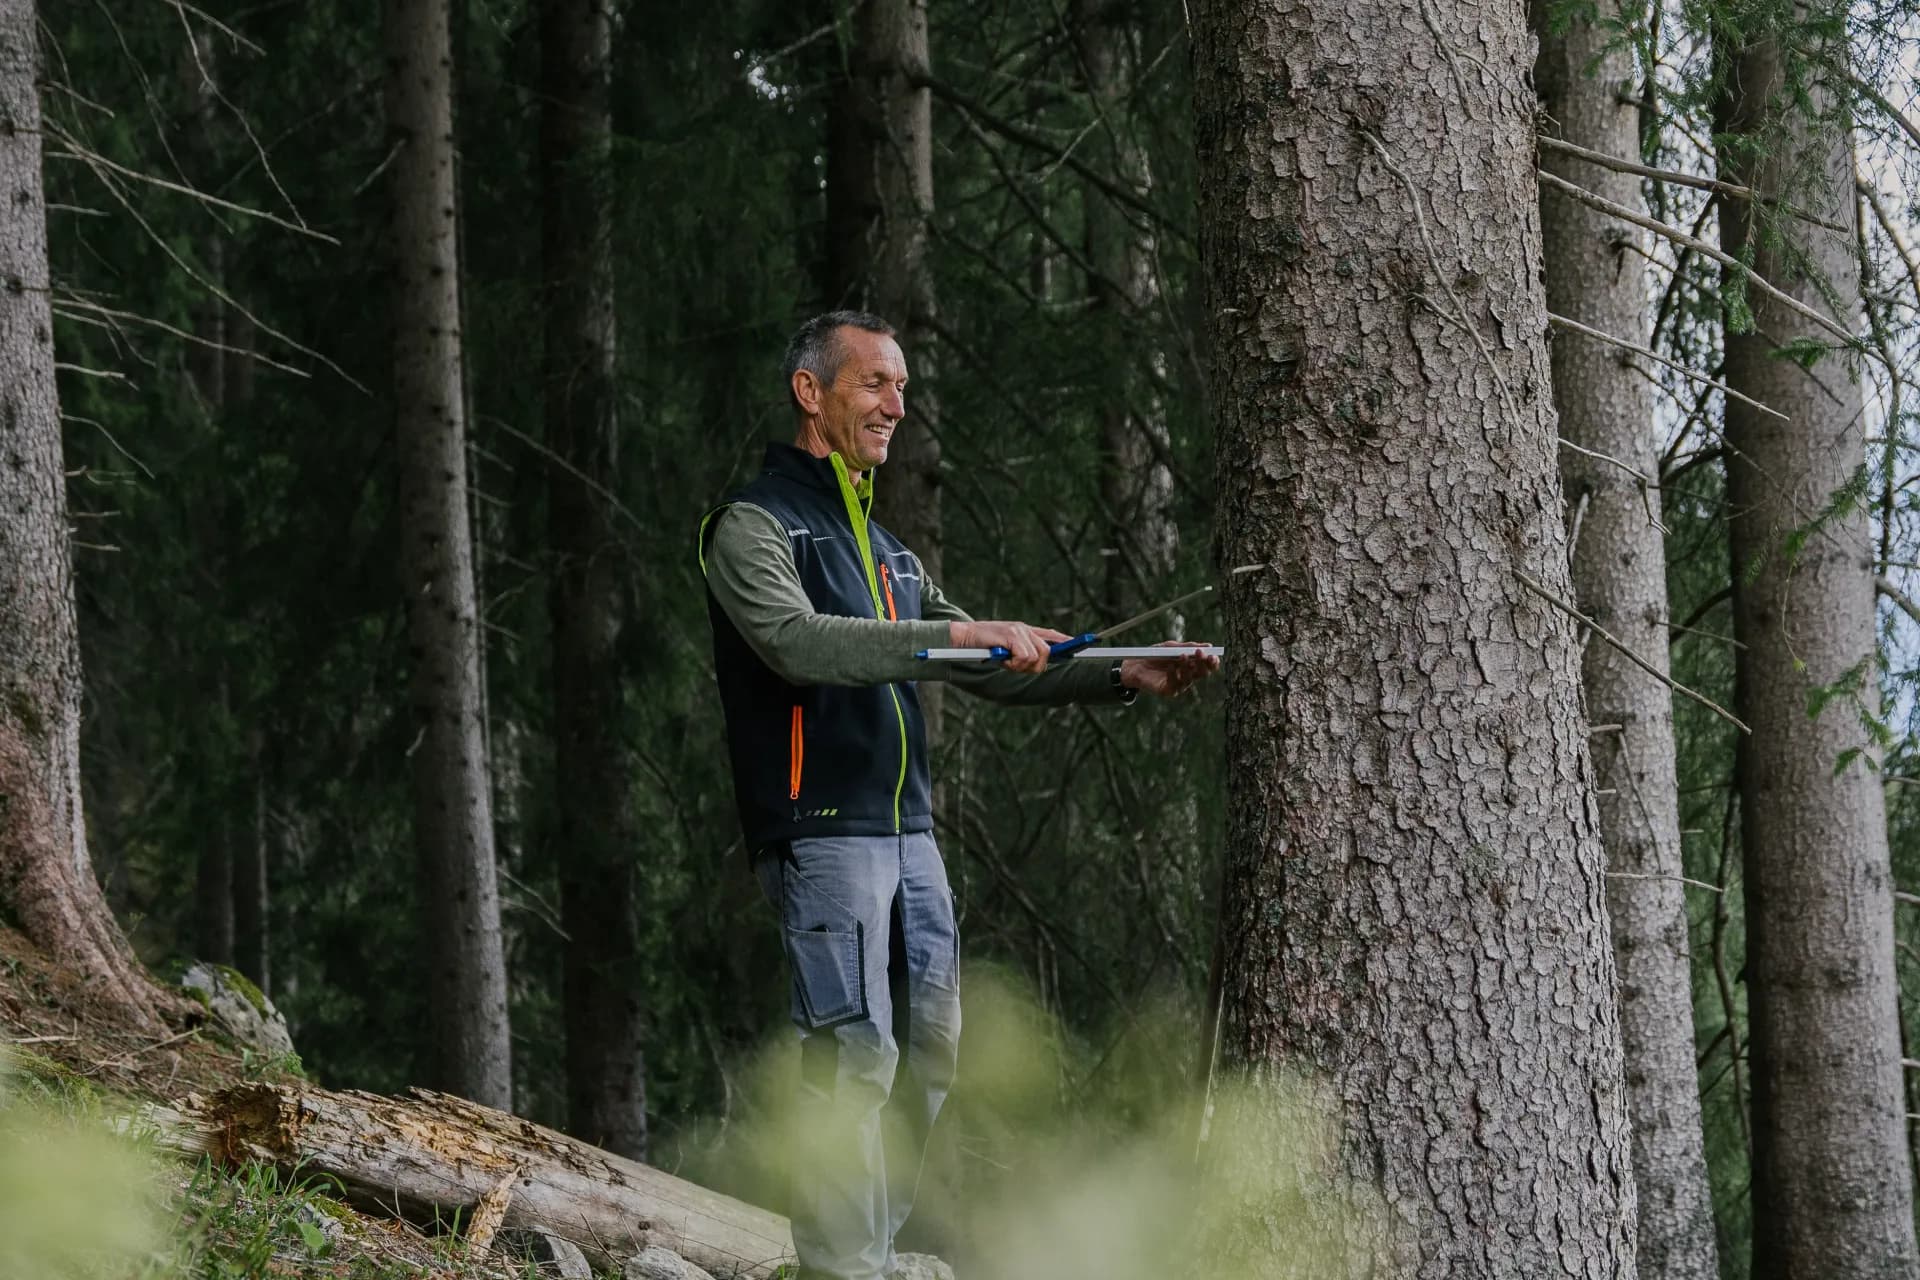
column 1594, row 276
column 599, row 839
column 1414, row 894
column 39, row 642
column 453, row 819
column 879, row 203
column 1832, row 1191
column 1136, row 484
column 435, row 1158
column 46, row 881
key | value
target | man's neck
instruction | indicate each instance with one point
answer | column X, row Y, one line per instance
column 809, row 440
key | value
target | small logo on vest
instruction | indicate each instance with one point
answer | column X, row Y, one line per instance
column 815, row 813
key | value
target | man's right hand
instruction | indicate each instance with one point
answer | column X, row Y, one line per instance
column 1026, row 646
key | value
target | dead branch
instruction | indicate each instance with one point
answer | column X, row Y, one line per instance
column 1630, row 655
column 1565, row 323
column 1679, row 178
column 1698, row 245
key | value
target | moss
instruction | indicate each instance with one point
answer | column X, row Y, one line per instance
column 244, row 985
column 25, row 711
column 53, row 1077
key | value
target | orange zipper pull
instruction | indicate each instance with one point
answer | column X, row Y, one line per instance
column 796, row 748
column 886, row 580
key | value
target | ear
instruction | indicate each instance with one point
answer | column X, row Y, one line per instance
column 806, row 390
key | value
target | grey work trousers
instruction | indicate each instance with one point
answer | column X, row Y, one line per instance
column 873, row 952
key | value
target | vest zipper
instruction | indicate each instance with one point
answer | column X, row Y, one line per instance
column 796, row 750
column 886, row 581
column 857, row 520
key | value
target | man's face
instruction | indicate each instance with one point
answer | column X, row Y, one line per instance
column 862, row 407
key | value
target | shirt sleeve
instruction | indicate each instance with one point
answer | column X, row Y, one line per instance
column 1068, row 681
column 749, row 566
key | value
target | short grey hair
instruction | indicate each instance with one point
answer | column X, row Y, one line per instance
column 816, row 346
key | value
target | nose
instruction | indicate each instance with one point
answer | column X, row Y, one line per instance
column 893, row 403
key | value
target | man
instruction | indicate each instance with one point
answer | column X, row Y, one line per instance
column 817, row 613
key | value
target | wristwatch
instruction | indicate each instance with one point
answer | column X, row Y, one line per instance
column 1126, row 694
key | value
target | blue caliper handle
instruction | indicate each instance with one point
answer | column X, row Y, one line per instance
column 1061, row 648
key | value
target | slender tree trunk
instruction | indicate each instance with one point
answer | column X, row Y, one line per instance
column 1136, row 485
column 599, row 839
column 453, row 820
column 207, row 375
column 46, row 883
column 1594, row 276
column 879, row 203
column 252, row 854
column 1414, row 898
column 1832, row 1192
column 250, row 887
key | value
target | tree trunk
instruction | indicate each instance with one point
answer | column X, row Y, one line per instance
column 1594, row 276
column 250, row 886
column 431, row 1157
column 46, row 881
column 453, row 821
column 1832, row 1192
column 1414, row 896
column 599, row 839
column 879, row 203
column 1136, row 485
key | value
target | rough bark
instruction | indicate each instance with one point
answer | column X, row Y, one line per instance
column 427, row 1155
column 1414, row 890
column 46, row 880
column 599, row 840
column 39, row 642
column 1136, row 485
column 879, row 203
column 453, row 821
column 1832, row 1191
column 1594, row 275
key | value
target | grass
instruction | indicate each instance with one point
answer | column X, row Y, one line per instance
column 78, row 1202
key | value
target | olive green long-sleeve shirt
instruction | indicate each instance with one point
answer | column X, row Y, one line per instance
column 750, row 570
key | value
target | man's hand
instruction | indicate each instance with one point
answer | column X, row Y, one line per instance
column 1171, row 676
column 1026, row 646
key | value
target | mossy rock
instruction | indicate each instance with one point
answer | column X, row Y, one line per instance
column 241, row 983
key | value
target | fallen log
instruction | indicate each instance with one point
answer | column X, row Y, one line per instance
column 431, row 1156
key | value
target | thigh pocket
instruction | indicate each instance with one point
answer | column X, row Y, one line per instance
column 829, row 971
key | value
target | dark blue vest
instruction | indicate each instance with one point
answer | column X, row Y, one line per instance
column 821, row 760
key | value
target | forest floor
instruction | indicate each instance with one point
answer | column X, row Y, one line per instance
column 71, row 1069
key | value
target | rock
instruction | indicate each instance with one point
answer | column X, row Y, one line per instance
column 919, row 1266
column 549, row 1253
column 241, row 1009
column 655, row 1263
column 331, row 1229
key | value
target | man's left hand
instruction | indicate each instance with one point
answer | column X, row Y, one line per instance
column 1171, row 676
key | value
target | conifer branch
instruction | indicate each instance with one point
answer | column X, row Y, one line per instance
column 1564, row 323
column 1698, row 245
column 1879, row 100
column 77, row 151
column 978, row 111
column 1893, row 235
column 1629, row 654
column 1679, row 178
